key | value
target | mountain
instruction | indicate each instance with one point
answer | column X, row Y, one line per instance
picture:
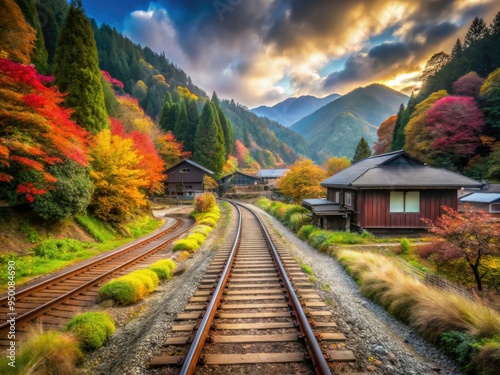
column 292, row 110
column 336, row 128
column 260, row 134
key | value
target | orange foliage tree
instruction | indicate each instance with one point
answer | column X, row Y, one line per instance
column 17, row 37
column 302, row 181
column 118, row 178
column 385, row 133
column 336, row 164
column 35, row 132
column 151, row 162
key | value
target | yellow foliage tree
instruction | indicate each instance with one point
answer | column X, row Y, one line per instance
column 335, row 165
column 117, row 178
column 17, row 37
column 186, row 94
column 302, row 181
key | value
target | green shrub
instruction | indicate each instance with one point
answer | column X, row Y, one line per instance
column 305, row 231
column 185, row 244
column 202, row 229
column 54, row 248
column 92, row 329
column 125, row 290
column 273, row 209
column 317, row 237
column 366, row 234
column 198, row 237
column 459, row 346
column 148, row 277
column 405, row 246
column 263, row 203
column 31, row 234
column 163, row 268
column 343, row 238
column 292, row 210
column 208, row 222
column 298, row 220
column 45, row 353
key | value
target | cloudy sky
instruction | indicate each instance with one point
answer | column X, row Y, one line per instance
column 263, row 51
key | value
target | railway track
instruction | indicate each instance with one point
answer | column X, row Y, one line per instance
column 253, row 313
column 54, row 300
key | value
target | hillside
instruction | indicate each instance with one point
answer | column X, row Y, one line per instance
column 259, row 133
column 336, row 128
column 292, row 110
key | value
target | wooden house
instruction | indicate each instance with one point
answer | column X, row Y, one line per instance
column 239, row 179
column 186, row 179
column 385, row 192
column 271, row 174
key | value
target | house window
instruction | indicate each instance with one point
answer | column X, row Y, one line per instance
column 495, row 208
column 348, row 199
column 405, row 201
column 337, row 197
column 185, row 170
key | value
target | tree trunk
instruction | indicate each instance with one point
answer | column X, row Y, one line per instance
column 477, row 277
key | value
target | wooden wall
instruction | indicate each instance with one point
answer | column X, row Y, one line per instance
column 373, row 208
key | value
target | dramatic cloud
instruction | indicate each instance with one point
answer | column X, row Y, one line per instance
column 262, row 51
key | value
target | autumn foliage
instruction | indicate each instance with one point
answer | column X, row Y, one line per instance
column 302, row 181
column 117, row 176
column 35, row 131
column 470, row 235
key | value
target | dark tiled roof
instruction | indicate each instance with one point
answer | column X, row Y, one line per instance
column 396, row 169
column 194, row 165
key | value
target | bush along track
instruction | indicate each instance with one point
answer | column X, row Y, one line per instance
column 206, row 214
column 136, row 285
column 466, row 330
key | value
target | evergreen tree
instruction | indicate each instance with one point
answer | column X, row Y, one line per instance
column 207, row 148
column 77, row 71
column 169, row 116
column 398, row 138
column 220, row 132
column 493, row 43
column 194, row 118
column 227, row 127
column 475, row 50
column 182, row 124
column 40, row 55
column 362, row 151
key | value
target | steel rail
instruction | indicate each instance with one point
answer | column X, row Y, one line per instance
column 319, row 361
column 79, row 269
column 77, row 290
column 193, row 355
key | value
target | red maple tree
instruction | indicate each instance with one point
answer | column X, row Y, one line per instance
column 470, row 235
column 35, row 131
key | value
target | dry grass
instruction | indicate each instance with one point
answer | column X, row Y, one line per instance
column 431, row 311
column 46, row 353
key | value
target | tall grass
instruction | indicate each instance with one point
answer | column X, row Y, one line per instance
column 432, row 312
column 99, row 230
column 45, row 353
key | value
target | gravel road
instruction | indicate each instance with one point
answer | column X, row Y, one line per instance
column 382, row 344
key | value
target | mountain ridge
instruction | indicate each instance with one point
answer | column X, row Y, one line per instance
column 336, row 128
column 293, row 109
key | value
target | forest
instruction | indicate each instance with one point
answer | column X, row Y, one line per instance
column 453, row 121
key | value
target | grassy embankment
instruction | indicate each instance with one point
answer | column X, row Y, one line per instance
column 50, row 255
column 465, row 329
